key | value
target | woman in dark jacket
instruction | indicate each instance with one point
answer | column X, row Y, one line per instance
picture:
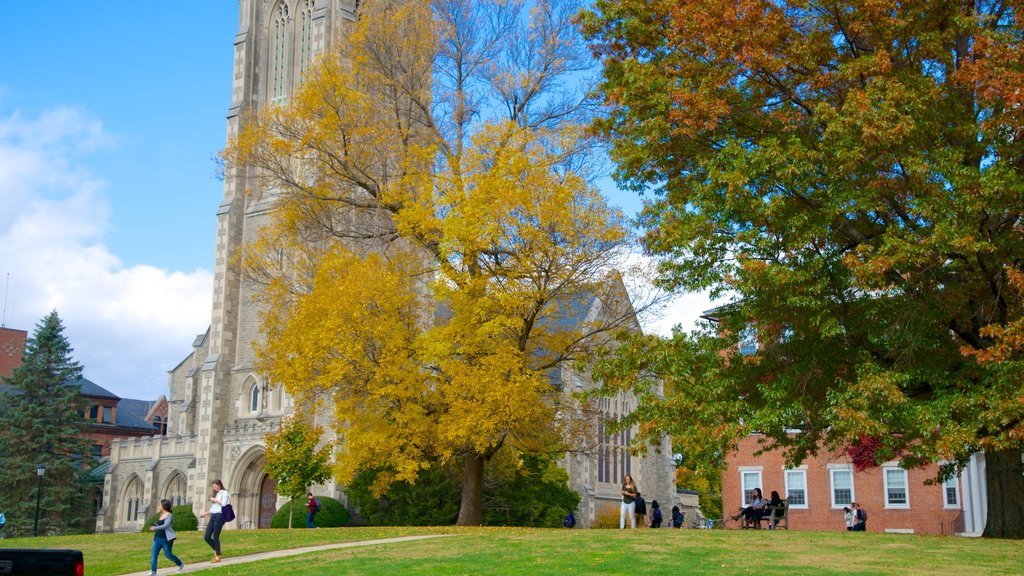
column 677, row 517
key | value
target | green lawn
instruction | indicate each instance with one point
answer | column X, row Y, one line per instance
column 534, row 551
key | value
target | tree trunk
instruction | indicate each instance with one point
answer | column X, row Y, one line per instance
column 471, row 510
column 291, row 510
column 1004, row 475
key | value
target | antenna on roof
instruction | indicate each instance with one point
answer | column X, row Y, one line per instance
column 3, row 319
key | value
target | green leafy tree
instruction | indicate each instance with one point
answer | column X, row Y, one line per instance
column 697, row 409
column 432, row 500
column 851, row 173
column 41, row 424
column 296, row 459
column 528, row 490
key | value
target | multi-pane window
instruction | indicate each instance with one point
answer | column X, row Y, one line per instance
column 796, row 488
column 842, row 487
column 748, row 341
column 279, row 57
column 751, row 479
column 305, row 36
column 896, row 488
column 613, row 458
column 951, row 493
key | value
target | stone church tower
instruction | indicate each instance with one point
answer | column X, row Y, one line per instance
column 220, row 408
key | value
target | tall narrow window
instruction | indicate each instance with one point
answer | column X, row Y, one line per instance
column 279, row 58
column 751, row 479
column 748, row 341
column 796, row 488
column 254, row 399
column 305, row 37
column 951, row 493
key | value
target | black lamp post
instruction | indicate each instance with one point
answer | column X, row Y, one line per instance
column 40, row 470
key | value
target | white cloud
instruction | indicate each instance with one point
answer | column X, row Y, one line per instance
column 128, row 325
column 682, row 309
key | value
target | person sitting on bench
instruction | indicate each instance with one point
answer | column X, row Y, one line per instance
column 755, row 511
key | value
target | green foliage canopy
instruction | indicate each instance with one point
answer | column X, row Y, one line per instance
column 332, row 514
column 851, row 174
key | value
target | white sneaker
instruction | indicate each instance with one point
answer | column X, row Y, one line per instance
column 180, row 568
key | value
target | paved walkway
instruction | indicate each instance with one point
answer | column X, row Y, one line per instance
column 232, row 560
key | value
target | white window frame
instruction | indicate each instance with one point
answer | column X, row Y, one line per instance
column 954, row 483
column 906, row 487
column 748, row 344
column 752, row 472
column 802, row 471
column 832, row 485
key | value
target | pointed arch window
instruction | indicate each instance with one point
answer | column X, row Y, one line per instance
column 279, row 54
column 254, row 399
column 305, row 37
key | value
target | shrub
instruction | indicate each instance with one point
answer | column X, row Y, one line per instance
column 184, row 519
column 607, row 518
column 332, row 514
column 534, row 492
column 432, row 501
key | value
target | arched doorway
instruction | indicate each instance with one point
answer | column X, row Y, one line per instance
column 248, row 479
column 268, row 501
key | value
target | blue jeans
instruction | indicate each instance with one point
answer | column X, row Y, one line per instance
column 213, row 532
column 159, row 542
column 309, row 520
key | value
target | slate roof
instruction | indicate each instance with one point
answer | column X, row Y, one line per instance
column 90, row 388
column 131, row 413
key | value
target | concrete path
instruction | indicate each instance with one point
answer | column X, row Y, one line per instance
column 232, row 560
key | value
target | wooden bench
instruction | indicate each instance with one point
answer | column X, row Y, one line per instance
column 778, row 515
column 774, row 516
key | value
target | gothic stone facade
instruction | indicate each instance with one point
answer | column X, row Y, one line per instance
column 219, row 407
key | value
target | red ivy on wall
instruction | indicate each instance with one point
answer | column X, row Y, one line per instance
column 863, row 452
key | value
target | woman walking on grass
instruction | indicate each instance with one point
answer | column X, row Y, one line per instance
column 163, row 538
column 218, row 501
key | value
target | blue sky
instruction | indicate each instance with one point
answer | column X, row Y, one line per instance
column 110, row 114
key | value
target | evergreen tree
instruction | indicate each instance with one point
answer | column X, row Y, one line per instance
column 41, row 424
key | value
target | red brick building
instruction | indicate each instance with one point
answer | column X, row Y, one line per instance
column 895, row 499
column 12, row 347
column 109, row 416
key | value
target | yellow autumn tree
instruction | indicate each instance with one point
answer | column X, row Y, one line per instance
column 437, row 241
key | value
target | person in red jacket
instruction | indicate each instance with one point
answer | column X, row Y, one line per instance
column 313, row 506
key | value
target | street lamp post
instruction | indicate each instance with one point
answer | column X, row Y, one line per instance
column 40, row 470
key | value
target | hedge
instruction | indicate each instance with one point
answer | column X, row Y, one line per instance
column 184, row 519
column 332, row 514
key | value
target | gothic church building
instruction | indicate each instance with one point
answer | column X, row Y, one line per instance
column 219, row 407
